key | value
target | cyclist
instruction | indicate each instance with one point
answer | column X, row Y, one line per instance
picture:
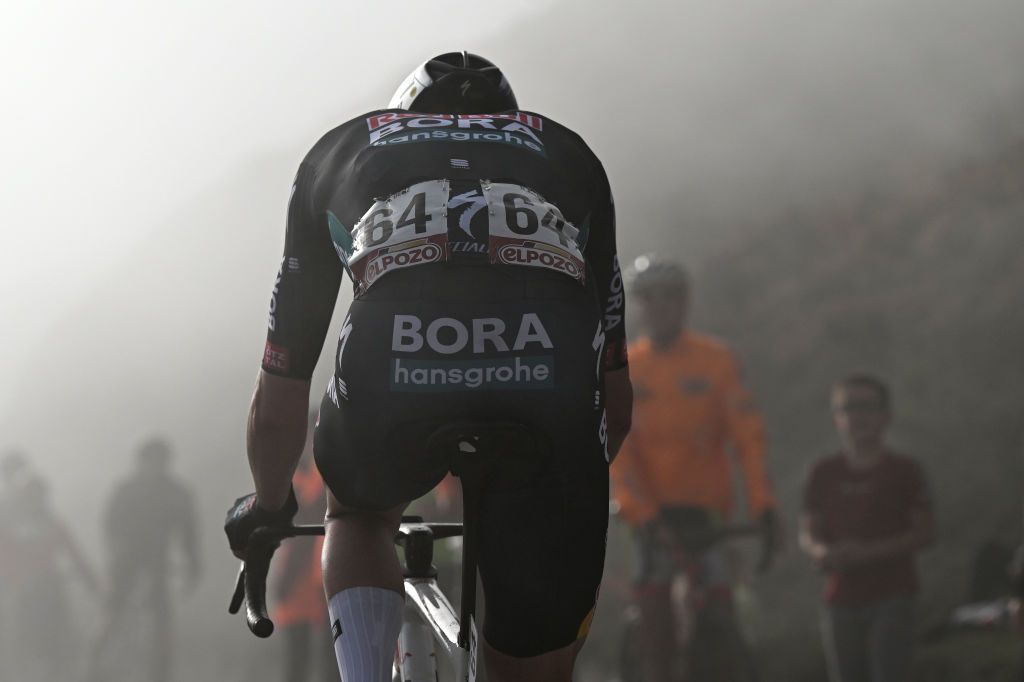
column 480, row 241
column 675, row 468
column 150, row 515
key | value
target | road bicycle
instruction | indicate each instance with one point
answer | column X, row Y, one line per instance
column 435, row 639
column 706, row 649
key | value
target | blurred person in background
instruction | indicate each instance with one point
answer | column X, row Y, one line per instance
column 690, row 407
column 866, row 512
column 300, row 611
column 150, row 525
column 37, row 551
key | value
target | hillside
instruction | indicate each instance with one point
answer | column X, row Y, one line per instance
column 924, row 284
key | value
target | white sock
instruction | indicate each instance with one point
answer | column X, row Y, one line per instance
column 365, row 622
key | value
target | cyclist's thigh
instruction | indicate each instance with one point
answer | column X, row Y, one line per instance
column 541, row 560
column 356, row 444
column 543, row 537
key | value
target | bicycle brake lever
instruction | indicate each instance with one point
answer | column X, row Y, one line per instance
column 239, row 596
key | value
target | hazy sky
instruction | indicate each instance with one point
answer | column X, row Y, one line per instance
column 119, row 117
column 116, row 113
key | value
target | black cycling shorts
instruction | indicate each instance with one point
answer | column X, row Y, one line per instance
column 439, row 344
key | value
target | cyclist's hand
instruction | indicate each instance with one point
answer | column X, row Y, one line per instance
column 245, row 516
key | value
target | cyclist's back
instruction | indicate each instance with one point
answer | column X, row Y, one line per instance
column 482, row 253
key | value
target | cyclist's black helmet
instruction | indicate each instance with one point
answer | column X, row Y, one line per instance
column 455, row 83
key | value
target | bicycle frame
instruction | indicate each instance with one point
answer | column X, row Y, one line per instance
column 431, row 626
column 688, row 607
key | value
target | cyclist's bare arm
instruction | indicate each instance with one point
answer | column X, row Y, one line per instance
column 302, row 302
column 618, row 407
column 276, row 435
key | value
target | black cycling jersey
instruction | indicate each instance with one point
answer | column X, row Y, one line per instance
column 392, row 189
column 482, row 254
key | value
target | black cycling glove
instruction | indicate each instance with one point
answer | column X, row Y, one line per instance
column 245, row 516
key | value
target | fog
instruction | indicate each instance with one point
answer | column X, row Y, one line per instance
column 150, row 151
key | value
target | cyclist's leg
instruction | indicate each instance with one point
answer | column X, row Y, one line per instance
column 541, row 558
column 363, row 581
column 372, row 533
column 657, row 631
column 371, row 474
column 652, row 594
column 544, row 527
column 719, row 651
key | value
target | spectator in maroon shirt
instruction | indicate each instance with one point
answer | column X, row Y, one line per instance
column 866, row 511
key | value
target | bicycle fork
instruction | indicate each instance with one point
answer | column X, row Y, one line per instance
column 416, row 660
column 415, row 655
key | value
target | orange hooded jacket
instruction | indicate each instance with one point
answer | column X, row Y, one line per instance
column 689, row 405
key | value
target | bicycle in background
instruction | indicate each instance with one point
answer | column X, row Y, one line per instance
column 707, row 647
